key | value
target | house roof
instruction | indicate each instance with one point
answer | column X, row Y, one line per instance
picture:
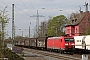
column 76, row 18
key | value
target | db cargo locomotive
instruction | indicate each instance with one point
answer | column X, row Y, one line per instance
column 61, row 44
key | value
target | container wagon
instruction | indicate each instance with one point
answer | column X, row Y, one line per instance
column 78, row 44
column 78, row 41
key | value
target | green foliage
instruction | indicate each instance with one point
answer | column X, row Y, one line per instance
column 56, row 25
column 4, row 17
column 3, row 22
column 10, row 55
column 43, row 28
column 4, row 52
column 18, row 37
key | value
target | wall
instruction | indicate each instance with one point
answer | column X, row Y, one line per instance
column 69, row 30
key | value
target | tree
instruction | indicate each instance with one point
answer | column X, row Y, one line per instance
column 3, row 21
column 56, row 25
column 18, row 37
column 43, row 28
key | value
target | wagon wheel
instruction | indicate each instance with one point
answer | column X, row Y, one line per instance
column 62, row 51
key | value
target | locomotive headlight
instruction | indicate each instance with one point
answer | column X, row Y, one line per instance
column 73, row 44
column 66, row 44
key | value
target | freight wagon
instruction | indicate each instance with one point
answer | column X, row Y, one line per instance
column 42, row 43
column 19, row 43
column 33, row 42
column 27, row 43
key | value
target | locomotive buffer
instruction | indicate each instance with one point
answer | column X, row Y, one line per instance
column 84, row 55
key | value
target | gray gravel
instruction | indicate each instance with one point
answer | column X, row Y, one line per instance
column 33, row 56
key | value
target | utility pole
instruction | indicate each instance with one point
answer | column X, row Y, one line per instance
column 22, row 33
column 29, row 31
column 13, row 29
column 37, row 22
column 43, row 28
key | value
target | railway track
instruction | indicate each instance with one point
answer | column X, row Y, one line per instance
column 54, row 55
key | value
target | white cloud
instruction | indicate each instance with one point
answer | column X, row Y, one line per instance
column 70, row 10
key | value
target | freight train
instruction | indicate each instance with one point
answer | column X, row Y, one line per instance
column 60, row 44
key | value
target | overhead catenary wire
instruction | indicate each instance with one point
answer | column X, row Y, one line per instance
column 18, row 7
column 25, row 5
column 22, row 10
column 3, row 2
column 15, row 6
column 31, row 4
column 27, row 14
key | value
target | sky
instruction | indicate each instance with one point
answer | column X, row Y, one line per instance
column 25, row 9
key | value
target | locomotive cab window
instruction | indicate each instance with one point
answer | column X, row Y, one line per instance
column 69, row 40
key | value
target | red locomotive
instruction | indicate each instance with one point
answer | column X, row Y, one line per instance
column 61, row 44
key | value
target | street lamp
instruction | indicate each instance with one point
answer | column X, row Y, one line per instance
column 60, row 10
column 20, row 31
column 45, row 10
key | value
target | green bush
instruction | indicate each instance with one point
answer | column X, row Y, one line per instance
column 11, row 55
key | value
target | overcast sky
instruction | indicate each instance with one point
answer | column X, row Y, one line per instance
column 26, row 8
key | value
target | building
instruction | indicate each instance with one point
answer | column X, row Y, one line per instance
column 78, row 23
